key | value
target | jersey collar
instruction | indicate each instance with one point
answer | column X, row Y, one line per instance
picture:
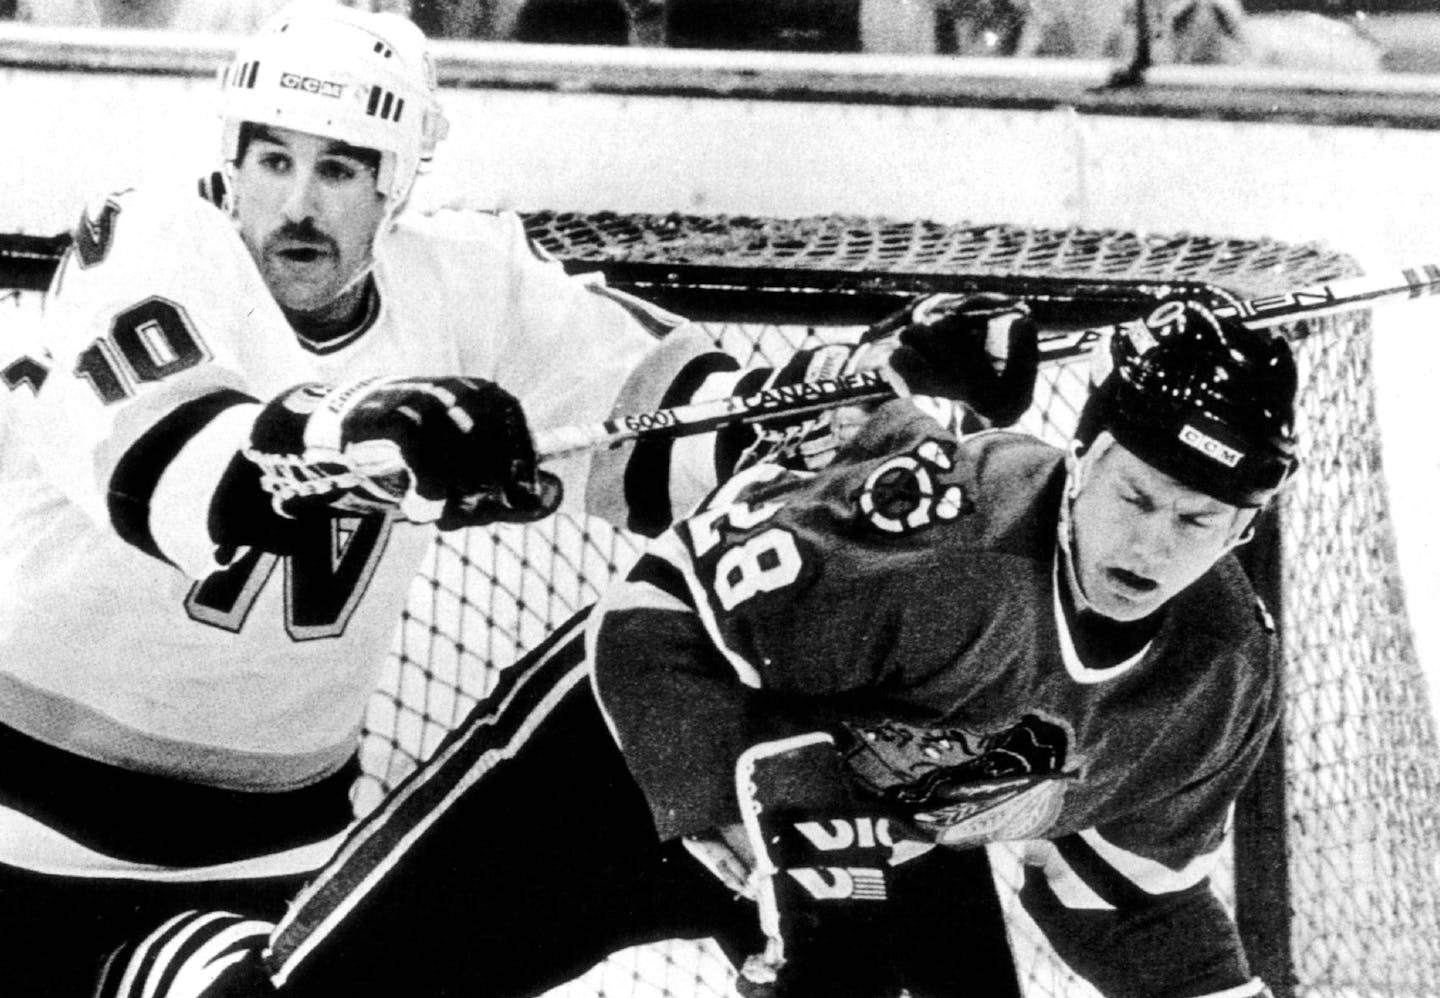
column 1077, row 669
column 369, row 312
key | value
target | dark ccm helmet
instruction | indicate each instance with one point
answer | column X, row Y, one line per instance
column 1210, row 403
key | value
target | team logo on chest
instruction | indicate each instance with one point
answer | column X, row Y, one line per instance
column 902, row 495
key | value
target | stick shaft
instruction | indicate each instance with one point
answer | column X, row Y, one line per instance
column 796, row 400
column 700, row 417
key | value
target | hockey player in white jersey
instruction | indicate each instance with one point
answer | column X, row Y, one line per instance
column 201, row 567
column 223, row 462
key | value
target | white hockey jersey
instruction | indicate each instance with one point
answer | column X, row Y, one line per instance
column 117, row 640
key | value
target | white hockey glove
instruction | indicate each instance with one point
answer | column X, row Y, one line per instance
column 456, row 451
column 212, row 954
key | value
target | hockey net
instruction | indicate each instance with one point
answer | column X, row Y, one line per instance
column 1335, row 875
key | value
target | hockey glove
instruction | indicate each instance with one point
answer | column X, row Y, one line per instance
column 822, row 875
column 456, row 451
column 981, row 349
column 196, row 954
column 958, row 790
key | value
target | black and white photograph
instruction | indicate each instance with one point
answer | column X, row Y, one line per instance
column 719, row 499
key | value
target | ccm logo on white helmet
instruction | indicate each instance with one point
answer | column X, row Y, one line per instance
column 311, row 85
column 1209, row 446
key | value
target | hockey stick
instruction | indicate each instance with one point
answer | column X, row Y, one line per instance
column 799, row 399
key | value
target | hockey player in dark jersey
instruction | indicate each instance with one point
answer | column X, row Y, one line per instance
column 812, row 704
column 962, row 642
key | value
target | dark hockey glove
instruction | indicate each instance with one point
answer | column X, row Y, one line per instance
column 961, row 791
column 456, row 451
column 981, row 349
column 212, row 954
column 823, row 860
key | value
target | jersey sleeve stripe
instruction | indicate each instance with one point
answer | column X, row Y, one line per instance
column 1102, row 878
column 185, row 500
column 1250, row 989
column 642, row 597
column 647, row 475
column 137, row 473
column 1067, row 885
column 732, row 441
column 120, row 806
column 655, row 321
column 663, row 576
column 672, row 549
column 1150, row 876
column 1193, row 950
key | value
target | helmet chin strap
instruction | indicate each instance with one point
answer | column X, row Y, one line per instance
column 361, row 273
column 367, row 265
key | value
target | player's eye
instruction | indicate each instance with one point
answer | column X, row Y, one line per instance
column 1201, row 521
column 337, row 169
column 1137, row 499
column 274, row 161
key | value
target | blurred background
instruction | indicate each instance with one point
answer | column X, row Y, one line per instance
column 1400, row 36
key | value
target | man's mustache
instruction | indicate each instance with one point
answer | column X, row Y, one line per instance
column 303, row 231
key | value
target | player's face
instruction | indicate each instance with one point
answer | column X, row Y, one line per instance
column 309, row 212
column 1141, row 537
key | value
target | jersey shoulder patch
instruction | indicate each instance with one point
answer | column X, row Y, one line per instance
column 911, row 491
column 95, row 231
column 139, row 234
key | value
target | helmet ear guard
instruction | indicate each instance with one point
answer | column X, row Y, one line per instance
column 360, row 78
column 1205, row 400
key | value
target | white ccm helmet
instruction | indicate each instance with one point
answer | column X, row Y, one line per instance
column 358, row 77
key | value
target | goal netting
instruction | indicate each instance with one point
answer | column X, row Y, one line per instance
column 1335, row 874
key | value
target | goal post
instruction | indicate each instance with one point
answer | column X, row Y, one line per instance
column 1335, row 876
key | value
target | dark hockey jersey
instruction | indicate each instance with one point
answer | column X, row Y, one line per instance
column 908, row 598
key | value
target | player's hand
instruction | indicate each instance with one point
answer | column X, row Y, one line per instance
column 196, row 954
column 456, row 451
column 980, row 349
column 823, row 862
